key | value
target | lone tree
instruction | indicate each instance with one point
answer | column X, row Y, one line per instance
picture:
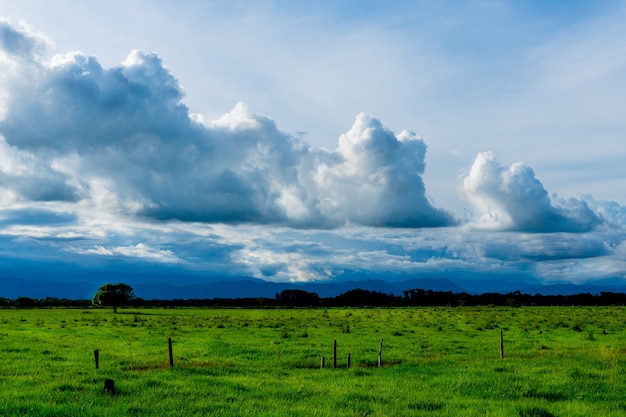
column 114, row 295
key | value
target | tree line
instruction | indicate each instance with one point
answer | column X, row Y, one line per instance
column 292, row 298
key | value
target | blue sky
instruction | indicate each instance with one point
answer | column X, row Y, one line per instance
column 299, row 141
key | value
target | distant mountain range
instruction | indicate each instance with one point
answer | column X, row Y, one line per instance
column 11, row 287
column 250, row 288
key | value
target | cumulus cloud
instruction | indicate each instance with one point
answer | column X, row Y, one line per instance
column 512, row 198
column 122, row 138
column 21, row 41
column 20, row 48
column 611, row 212
column 374, row 178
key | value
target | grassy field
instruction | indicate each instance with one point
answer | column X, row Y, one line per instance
column 559, row 361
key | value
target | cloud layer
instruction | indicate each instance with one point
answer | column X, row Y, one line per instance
column 123, row 137
column 107, row 169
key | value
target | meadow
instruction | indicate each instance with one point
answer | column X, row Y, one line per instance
column 558, row 361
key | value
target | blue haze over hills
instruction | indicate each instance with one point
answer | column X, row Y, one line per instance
column 256, row 288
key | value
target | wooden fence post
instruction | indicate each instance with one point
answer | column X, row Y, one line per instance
column 169, row 348
column 335, row 354
column 96, row 356
column 501, row 345
column 349, row 360
column 380, row 353
column 322, row 363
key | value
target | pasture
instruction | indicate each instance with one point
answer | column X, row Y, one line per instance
column 558, row 361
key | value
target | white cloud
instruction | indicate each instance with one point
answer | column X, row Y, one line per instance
column 511, row 198
column 280, row 266
column 21, row 50
column 125, row 135
column 140, row 251
column 610, row 211
column 374, row 178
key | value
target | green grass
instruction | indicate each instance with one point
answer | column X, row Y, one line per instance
column 559, row 361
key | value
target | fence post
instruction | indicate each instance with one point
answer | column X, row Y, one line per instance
column 349, row 360
column 169, row 348
column 501, row 345
column 380, row 353
column 335, row 354
column 96, row 356
column 322, row 363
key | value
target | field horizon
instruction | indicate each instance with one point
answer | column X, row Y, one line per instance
column 83, row 287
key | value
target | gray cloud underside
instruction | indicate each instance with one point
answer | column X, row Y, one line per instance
column 283, row 254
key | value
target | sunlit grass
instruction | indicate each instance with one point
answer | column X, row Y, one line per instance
column 559, row 361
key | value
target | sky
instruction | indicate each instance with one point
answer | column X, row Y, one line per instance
column 320, row 141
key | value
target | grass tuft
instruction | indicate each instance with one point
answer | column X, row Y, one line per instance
column 425, row 406
column 535, row 412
